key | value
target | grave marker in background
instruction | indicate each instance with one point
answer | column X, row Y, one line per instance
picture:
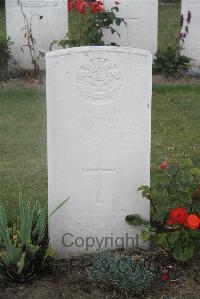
column 141, row 31
column 192, row 41
column 53, row 26
column 99, row 138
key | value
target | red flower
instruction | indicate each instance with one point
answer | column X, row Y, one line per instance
column 169, row 222
column 164, row 164
column 78, row 5
column 165, row 277
column 82, row 6
column 70, row 5
column 178, row 215
column 192, row 221
column 97, row 6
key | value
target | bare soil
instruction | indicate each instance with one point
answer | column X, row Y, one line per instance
column 180, row 80
column 68, row 279
column 29, row 82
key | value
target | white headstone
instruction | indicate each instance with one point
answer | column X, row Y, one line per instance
column 53, row 26
column 99, row 137
column 192, row 41
column 141, row 31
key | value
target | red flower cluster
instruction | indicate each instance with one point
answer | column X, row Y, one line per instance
column 163, row 165
column 82, row 6
column 165, row 277
column 193, row 221
column 180, row 216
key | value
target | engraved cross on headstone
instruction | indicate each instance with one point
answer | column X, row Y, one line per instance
column 99, row 171
column 128, row 20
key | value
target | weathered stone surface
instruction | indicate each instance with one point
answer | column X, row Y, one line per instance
column 141, row 31
column 99, row 137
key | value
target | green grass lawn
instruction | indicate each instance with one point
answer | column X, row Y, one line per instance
column 168, row 24
column 175, row 133
column 23, row 165
column 175, row 124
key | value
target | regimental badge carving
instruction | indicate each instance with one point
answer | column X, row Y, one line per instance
column 99, row 81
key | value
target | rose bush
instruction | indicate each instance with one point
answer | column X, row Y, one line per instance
column 88, row 19
column 175, row 202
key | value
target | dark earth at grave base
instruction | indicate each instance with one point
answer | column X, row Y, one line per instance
column 29, row 82
column 65, row 281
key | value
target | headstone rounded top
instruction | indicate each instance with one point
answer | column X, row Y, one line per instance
column 88, row 49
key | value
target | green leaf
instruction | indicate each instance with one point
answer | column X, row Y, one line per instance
column 183, row 252
column 141, row 188
column 195, row 171
column 173, row 237
column 188, row 163
column 116, row 8
column 21, row 263
column 118, row 21
column 32, row 250
column 193, row 233
column 160, row 215
column 196, row 206
column 186, row 197
column 58, row 207
column 161, row 239
column 145, row 235
column 135, row 220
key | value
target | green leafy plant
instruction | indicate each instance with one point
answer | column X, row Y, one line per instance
column 170, row 61
column 89, row 19
column 175, row 203
column 24, row 246
column 5, row 56
column 128, row 276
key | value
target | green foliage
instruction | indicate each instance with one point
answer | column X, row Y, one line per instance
column 128, row 276
column 177, row 186
column 87, row 29
column 5, row 56
column 135, row 220
column 24, row 248
column 169, row 62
